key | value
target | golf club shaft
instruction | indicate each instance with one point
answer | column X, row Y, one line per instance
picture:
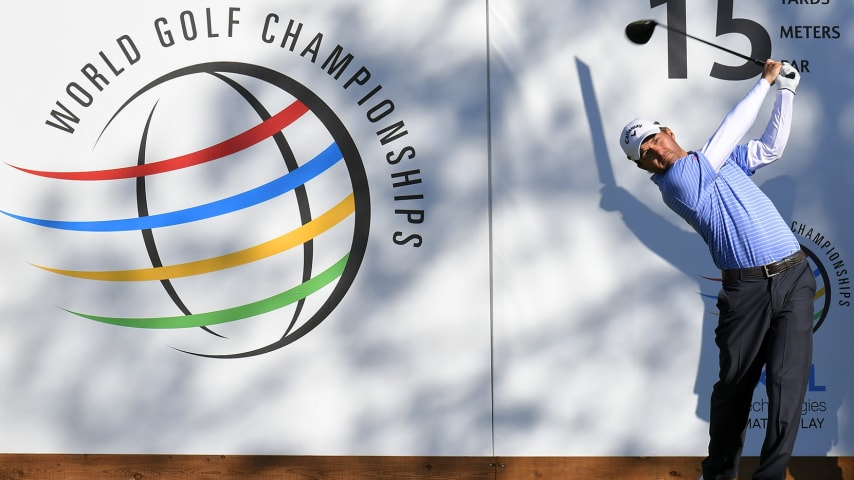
column 761, row 63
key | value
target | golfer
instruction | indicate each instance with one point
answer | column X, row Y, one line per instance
column 766, row 298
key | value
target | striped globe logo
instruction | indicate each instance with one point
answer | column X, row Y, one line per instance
column 270, row 221
column 821, row 301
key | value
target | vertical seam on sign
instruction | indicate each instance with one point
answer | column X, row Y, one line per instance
column 490, row 232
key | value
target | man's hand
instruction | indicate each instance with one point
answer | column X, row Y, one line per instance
column 771, row 71
column 789, row 78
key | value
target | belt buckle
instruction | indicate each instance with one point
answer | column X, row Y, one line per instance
column 783, row 264
column 767, row 273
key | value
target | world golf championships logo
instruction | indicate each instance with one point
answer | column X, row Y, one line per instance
column 315, row 196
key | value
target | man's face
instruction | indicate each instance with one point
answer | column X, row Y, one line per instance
column 658, row 152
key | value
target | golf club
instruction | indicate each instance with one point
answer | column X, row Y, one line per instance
column 640, row 31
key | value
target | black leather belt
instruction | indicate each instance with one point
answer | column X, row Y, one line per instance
column 765, row 271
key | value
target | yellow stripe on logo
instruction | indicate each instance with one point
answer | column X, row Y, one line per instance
column 294, row 238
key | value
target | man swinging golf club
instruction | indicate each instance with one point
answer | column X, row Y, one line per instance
column 766, row 297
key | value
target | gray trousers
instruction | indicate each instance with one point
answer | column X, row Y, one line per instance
column 764, row 323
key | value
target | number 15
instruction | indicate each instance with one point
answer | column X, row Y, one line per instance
column 677, row 52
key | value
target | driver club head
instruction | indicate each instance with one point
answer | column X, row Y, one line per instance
column 640, row 31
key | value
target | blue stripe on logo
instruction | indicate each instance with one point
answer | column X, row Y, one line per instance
column 319, row 164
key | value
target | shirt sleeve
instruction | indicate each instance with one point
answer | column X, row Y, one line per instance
column 735, row 125
column 770, row 145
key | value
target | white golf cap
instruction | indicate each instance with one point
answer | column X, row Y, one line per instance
column 634, row 133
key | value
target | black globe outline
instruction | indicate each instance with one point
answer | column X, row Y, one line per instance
column 352, row 159
column 827, row 292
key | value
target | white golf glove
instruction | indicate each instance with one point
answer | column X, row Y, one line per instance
column 783, row 80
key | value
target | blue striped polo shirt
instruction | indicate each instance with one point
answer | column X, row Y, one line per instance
column 738, row 222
